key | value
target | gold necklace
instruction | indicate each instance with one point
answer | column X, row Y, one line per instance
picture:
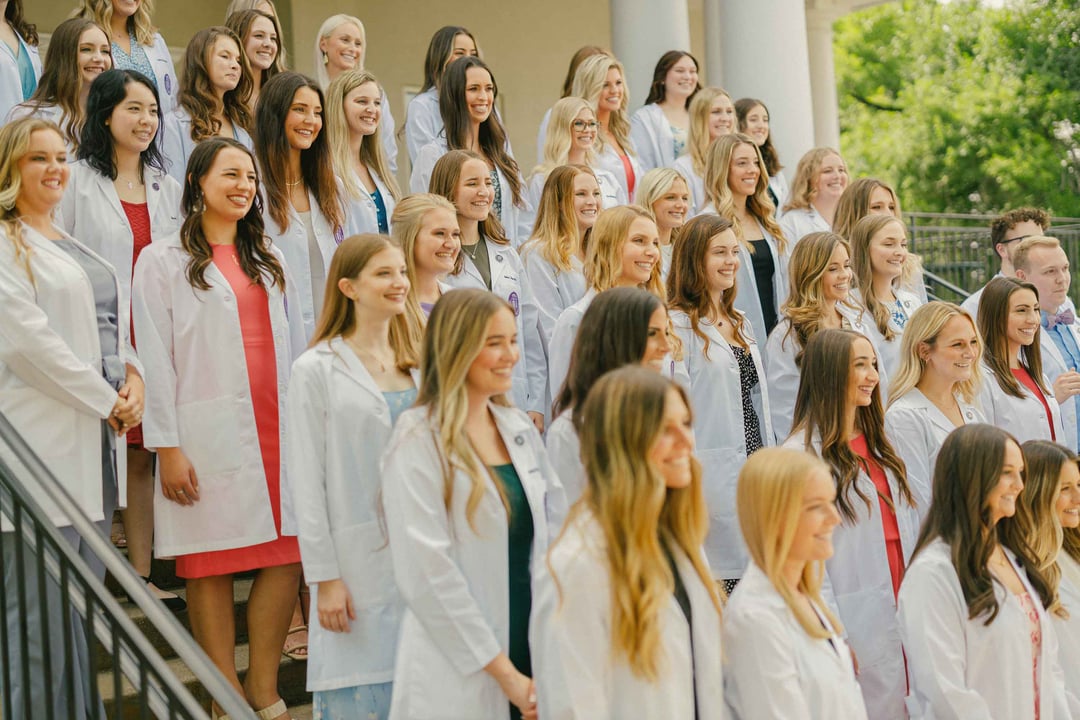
column 362, row 353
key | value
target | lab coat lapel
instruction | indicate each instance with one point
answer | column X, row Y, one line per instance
column 514, row 433
column 346, row 362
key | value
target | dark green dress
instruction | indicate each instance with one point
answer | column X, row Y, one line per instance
column 520, row 537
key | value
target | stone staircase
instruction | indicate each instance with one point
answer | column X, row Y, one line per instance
column 291, row 680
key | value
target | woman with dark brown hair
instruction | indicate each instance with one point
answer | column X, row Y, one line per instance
column 660, row 129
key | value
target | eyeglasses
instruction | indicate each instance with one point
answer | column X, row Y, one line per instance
column 580, row 125
column 1015, row 239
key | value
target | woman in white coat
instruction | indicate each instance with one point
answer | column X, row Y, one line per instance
column 214, row 61
column 490, row 263
column 934, row 390
column 736, row 188
column 712, row 114
column 838, row 417
column 66, row 372
column 302, row 207
column 584, row 52
column 623, row 251
column 353, row 128
column 345, row 394
column 878, row 256
column 820, row 179
column 20, row 61
column 117, row 202
column 627, row 617
column 1016, row 396
column 1048, row 511
column 216, row 320
column 426, row 229
column 726, row 374
column 820, row 279
column 666, row 195
column 467, row 96
column 261, row 37
column 423, row 121
column 660, row 128
column 977, row 640
column 623, row 326
column 753, row 120
column 472, row 472
column 601, row 81
column 136, row 43
column 784, row 650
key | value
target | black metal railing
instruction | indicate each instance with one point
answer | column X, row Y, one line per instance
column 48, row 569
column 956, row 252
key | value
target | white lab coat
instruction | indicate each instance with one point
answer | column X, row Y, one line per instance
column 339, row 424
column 747, row 300
column 862, row 592
column 509, row 282
column 453, row 577
column 199, row 399
column 963, row 668
column 177, row 143
column 917, row 428
column 165, row 77
column 388, row 132
column 91, row 211
column 611, row 193
column 652, row 138
column 293, row 244
column 719, row 433
column 361, row 215
column 971, row 302
column 52, row 113
column 514, row 219
column 684, row 164
column 773, row 669
column 579, row 676
column 10, row 79
column 423, row 122
column 554, row 289
column 561, row 344
column 797, row 223
column 564, row 450
column 51, row 384
column 609, row 161
column 784, row 375
column 1024, row 418
column 888, row 351
column 1054, row 363
column 778, row 183
column 1068, row 630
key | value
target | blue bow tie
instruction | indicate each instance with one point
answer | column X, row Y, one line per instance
column 1066, row 317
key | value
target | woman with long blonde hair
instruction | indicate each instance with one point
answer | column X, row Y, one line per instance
column 665, row 193
column 820, row 179
column 627, row 618
column 820, row 282
column 600, row 79
column 783, row 646
column 471, row 471
column 347, row 391
column 624, row 251
column 737, row 188
column 934, row 390
column 353, row 131
column 712, row 114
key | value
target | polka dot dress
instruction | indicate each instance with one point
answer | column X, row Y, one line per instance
column 748, row 378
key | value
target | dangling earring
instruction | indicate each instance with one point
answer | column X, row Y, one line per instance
column 325, row 59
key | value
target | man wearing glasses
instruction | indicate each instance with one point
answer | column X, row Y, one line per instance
column 1006, row 231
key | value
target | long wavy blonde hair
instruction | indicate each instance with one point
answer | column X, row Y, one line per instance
column 859, row 240
column 338, row 134
column 556, row 235
column 805, row 306
column 452, row 342
column 718, row 192
column 101, row 11
column 806, row 174
column 603, row 256
column 589, row 83
column 637, row 513
column 699, row 137
column 769, row 499
column 923, row 328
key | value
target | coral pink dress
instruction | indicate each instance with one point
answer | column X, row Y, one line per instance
column 252, row 303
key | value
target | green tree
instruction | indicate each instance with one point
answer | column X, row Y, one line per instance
column 964, row 107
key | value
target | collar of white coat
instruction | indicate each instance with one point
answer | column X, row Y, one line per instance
column 755, row 582
column 914, row 398
column 346, row 360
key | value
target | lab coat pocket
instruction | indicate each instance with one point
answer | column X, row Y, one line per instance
column 364, row 557
column 30, row 412
column 209, row 435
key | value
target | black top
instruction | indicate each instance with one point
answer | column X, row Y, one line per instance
column 764, row 270
column 682, row 599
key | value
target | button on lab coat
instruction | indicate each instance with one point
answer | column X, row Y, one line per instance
column 962, row 668
column 719, row 433
column 773, row 669
column 165, row 77
column 453, row 577
column 51, row 384
column 339, row 423
column 862, row 592
column 198, row 398
column 578, row 674
column 1024, row 418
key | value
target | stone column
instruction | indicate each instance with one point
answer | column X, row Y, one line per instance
column 642, row 31
column 819, row 36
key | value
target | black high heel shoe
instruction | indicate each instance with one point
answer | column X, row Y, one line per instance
column 174, row 603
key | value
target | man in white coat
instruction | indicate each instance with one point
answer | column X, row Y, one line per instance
column 1005, row 230
column 1042, row 262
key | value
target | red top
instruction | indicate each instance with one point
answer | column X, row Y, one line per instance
column 1027, row 381
column 628, row 168
column 138, row 217
column 888, row 514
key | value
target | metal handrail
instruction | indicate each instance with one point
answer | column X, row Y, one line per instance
column 134, row 656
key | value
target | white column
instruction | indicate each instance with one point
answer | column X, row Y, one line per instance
column 714, row 49
column 819, row 36
column 642, row 31
column 764, row 55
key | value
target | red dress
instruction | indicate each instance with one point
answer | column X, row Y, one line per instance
column 138, row 216
column 889, row 524
column 252, row 303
